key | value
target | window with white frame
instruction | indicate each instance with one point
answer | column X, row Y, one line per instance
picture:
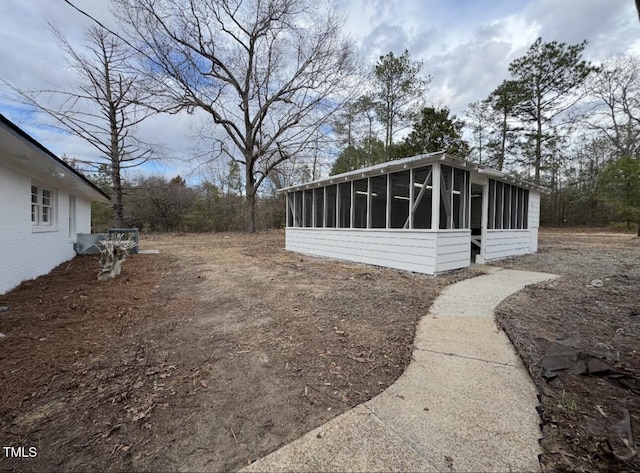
column 42, row 206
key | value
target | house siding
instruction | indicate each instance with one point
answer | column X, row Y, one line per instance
column 503, row 243
column 83, row 216
column 25, row 253
column 400, row 249
column 534, row 209
column 454, row 250
column 534, row 219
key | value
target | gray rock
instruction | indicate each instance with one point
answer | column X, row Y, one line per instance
column 597, row 283
column 4, row 309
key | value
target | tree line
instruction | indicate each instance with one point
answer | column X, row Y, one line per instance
column 570, row 126
column 281, row 91
column 156, row 203
column 558, row 121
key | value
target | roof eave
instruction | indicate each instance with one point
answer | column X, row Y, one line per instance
column 382, row 168
column 53, row 159
column 411, row 162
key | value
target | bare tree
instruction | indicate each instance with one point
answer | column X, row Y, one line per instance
column 160, row 204
column 616, row 109
column 103, row 107
column 269, row 73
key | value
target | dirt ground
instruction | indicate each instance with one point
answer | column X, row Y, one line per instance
column 586, row 417
column 207, row 356
column 224, row 347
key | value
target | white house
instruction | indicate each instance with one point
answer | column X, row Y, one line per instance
column 427, row 213
column 44, row 203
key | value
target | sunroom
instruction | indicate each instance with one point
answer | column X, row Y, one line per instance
column 428, row 213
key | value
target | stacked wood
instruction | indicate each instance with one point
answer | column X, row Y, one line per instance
column 113, row 253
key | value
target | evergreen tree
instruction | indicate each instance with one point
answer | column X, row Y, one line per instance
column 478, row 120
column 503, row 102
column 620, row 185
column 548, row 77
column 435, row 131
column 398, row 92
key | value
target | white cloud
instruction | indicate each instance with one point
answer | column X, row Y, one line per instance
column 466, row 46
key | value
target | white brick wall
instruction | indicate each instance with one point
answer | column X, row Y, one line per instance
column 25, row 253
column 83, row 215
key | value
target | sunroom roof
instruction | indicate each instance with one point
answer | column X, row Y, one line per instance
column 412, row 162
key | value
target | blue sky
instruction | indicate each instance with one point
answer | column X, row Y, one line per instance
column 466, row 46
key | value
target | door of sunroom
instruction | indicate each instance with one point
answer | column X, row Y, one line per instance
column 477, row 229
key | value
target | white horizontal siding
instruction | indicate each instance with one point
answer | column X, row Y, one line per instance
column 503, row 243
column 401, row 249
column 454, row 250
column 533, row 232
column 534, row 209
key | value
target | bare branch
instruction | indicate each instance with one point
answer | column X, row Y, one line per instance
column 268, row 73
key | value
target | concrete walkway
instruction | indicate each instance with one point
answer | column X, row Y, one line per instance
column 465, row 402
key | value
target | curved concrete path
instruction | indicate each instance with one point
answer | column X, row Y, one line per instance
column 465, row 402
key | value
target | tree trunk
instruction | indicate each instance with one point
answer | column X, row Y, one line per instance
column 251, row 212
column 250, row 200
column 117, row 204
column 503, row 141
column 538, row 157
column 386, row 140
column 116, row 180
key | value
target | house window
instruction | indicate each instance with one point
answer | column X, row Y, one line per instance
column 508, row 206
column 42, row 206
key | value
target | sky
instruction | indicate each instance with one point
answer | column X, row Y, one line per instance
column 466, row 47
